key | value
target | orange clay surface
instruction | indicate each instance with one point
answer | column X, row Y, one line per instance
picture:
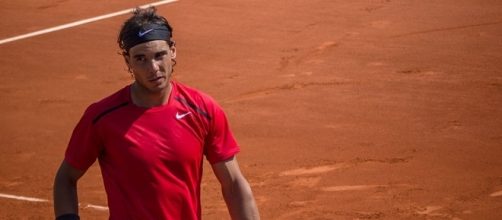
column 365, row 109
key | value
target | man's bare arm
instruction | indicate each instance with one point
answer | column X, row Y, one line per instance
column 65, row 190
column 236, row 190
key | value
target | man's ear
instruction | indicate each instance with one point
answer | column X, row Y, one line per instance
column 173, row 52
column 126, row 59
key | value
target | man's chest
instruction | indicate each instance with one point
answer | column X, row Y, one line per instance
column 170, row 135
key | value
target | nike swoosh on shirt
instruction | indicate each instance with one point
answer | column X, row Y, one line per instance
column 180, row 116
column 141, row 34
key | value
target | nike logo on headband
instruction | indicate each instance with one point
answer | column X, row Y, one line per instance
column 141, row 34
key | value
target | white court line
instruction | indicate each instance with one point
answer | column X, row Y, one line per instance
column 97, row 207
column 495, row 194
column 76, row 23
column 23, row 198
column 350, row 187
column 32, row 199
column 360, row 187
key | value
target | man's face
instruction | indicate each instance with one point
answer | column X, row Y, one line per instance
column 151, row 64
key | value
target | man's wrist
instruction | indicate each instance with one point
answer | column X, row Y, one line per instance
column 70, row 216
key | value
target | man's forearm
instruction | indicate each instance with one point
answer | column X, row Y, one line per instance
column 240, row 201
column 65, row 196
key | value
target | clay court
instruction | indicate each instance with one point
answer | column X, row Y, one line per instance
column 367, row 109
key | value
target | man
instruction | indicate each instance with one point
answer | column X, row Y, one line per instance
column 150, row 138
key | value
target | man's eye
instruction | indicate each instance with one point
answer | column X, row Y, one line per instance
column 160, row 56
column 140, row 59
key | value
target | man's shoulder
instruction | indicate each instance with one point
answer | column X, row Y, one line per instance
column 197, row 100
column 115, row 100
column 188, row 92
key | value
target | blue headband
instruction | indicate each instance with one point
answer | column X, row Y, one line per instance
column 145, row 33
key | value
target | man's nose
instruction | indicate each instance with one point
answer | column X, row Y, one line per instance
column 154, row 66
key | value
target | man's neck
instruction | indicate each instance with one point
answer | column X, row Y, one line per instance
column 144, row 98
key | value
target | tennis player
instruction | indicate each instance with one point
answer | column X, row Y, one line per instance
column 150, row 138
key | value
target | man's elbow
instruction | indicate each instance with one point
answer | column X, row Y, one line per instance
column 67, row 175
column 238, row 188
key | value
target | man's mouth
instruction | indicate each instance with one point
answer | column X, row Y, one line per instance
column 156, row 78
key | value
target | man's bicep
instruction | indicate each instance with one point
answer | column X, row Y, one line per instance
column 220, row 143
